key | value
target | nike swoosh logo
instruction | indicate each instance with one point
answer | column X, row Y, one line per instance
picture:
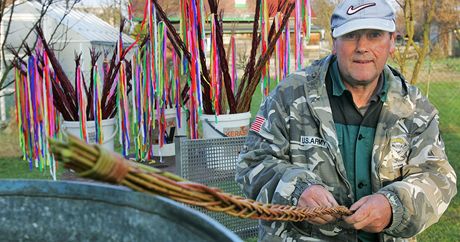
column 351, row 10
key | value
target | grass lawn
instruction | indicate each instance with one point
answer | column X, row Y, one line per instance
column 448, row 228
column 444, row 95
column 14, row 168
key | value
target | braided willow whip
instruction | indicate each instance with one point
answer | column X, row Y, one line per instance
column 93, row 162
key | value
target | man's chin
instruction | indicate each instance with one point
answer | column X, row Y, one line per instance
column 361, row 82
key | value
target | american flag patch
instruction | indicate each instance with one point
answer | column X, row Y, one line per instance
column 257, row 124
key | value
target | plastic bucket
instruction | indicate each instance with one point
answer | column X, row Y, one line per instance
column 227, row 125
column 38, row 210
column 169, row 149
column 109, row 131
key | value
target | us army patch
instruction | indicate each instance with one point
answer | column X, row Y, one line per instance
column 313, row 141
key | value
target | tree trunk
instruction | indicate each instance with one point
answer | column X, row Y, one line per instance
column 422, row 53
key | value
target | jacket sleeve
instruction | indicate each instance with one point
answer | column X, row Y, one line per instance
column 428, row 180
column 264, row 170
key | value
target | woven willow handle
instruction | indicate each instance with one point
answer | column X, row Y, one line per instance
column 93, row 162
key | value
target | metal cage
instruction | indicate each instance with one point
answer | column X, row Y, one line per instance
column 213, row 162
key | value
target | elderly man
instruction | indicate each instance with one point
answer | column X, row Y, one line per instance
column 350, row 130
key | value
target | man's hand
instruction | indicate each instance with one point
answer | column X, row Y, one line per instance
column 372, row 213
column 317, row 196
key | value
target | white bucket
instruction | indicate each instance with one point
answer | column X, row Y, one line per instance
column 171, row 121
column 109, row 131
column 227, row 125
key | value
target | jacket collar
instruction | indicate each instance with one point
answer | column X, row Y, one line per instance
column 397, row 100
column 397, row 105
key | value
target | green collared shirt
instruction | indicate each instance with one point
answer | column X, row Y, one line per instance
column 355, row 131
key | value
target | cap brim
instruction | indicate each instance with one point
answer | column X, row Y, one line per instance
column 365, row 23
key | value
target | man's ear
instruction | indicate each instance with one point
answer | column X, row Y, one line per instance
column 334, row 51
column 393, row 42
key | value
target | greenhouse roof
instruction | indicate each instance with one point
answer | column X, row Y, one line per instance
column 92, row 28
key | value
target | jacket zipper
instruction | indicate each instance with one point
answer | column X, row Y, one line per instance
column 385, row 144
column 331, row 151
column 347, row 183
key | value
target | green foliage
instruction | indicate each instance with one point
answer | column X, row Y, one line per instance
column 251, row 240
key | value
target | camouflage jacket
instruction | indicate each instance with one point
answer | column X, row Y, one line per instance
column 294, row 145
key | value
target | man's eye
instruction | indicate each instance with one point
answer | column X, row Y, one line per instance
column 374, row 35
column 349, row 36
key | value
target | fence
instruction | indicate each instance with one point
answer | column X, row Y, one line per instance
column 439, row 80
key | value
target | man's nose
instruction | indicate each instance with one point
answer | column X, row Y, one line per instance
column 362, row 44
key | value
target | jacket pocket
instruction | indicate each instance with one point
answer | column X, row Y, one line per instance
column 331, row 232
column 396, row 156
column 303, row 228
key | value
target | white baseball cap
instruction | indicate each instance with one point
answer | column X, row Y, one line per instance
column 351, row 15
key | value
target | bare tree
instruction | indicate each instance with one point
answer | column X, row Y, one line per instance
column 7, row 10
column 110, row 11
column 323, row 10
column 425, row 10
column 447, row 18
